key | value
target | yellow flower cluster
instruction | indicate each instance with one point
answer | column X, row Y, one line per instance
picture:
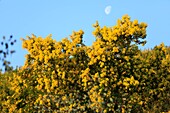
column 68, row 76
column 130, row 81
column 124, row 28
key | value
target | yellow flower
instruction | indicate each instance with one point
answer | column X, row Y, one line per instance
column 17, row 90
column 141, row 102
column 64, row 98
column 126, row 58
column 57, row 104
column 63, row 75
column 115, row 49
column 105, row 111
column 41, row 102
column 114, row 38
column 126, row 84
column 136, row 82
column 119, row 83
column 135, row 22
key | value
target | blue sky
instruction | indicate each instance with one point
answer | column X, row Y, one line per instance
column 22, row 18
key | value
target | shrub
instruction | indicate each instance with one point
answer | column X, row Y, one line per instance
column 112, row 75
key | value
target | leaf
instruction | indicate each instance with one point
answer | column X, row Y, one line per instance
column 6, row 45
column 4, row 54
column 108, row 104
column 3, row 37
column 111, row 99
column 12, row 51
column 11, row 36
column 12, row 43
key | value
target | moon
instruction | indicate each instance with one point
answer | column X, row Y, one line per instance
column 108, row 9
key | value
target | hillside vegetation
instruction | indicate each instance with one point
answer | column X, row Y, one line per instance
column 111, row 75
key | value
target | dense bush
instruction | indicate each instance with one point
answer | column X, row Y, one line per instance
column 112, row 75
